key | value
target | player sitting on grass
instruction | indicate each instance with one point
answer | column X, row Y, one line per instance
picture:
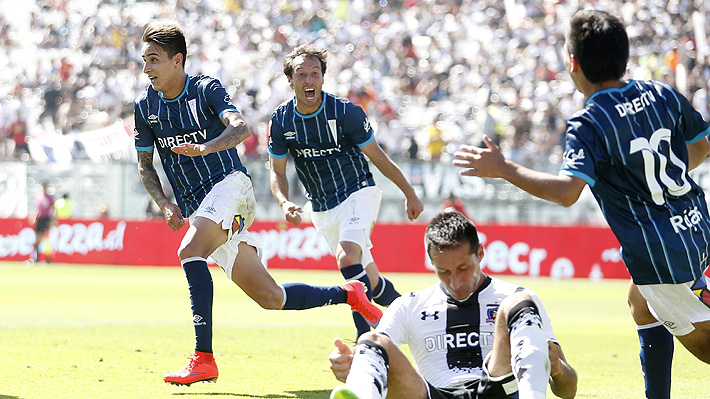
column 470, row 335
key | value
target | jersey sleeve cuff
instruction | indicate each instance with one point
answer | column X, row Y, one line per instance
column 700, row 136
column 148, row 148
column 368, row 141
column 276, row 156
column 567, row 172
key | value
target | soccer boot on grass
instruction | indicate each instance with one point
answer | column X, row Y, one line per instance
column 357, row 299
column 201, row 367
column 341, row 392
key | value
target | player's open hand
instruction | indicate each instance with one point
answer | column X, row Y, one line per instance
column 173, row 216
column 340, row 359
column 190, row 150
column 292, row 212
column 483, row 162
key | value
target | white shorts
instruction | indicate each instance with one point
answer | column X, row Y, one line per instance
column 678, row 306
column 352, row 220
column 230, row 203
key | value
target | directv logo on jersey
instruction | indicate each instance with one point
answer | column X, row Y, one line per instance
column 314, row 152
column 187, row 138
column 458, row 340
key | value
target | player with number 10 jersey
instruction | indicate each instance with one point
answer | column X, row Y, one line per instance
column 630, row 146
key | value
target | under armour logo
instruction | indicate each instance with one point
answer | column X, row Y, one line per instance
column 435, row 315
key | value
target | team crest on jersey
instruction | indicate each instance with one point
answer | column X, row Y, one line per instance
column 153, row 118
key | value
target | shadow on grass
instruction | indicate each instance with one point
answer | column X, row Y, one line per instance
column 9, row 397
column 294, row 395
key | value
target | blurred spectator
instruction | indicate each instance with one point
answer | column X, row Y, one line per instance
column 64, row 207
column 18, row 134
column 435, row 140
column 485, row 62
column 42, row 219
column 104, row 212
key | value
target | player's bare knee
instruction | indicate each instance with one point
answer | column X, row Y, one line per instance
column 346, row 259
column 269, row 300
column 377, row 338
column 516, row 305
column 510, row 301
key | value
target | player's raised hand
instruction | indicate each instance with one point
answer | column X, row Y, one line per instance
column 190, row 150
column 340, row 359
column 292, row 212
column 173, row 216
column 483, row 162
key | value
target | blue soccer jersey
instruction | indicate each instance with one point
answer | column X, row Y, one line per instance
column 325, row 146
column 630, row 146
column 192, row 117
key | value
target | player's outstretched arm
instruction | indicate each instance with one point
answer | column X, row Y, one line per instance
column 235, row 132
column 412, row 204
column 563, row 378
column 279, row 188
column 490, row 162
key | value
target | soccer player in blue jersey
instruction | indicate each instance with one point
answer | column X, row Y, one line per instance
column 328, row 138
column 195, row 128
column 633, row 144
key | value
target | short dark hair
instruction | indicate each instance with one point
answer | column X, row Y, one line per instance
column 306, row 50
column 448, row 230
column 599, row 42
column 169, row 36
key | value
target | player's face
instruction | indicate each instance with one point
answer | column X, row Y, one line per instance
column 458, row 269
column 165, row 73
column 307, row 83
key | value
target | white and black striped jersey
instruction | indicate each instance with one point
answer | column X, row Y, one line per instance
column 449, row 339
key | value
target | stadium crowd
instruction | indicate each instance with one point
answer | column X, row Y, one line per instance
column 431, row 74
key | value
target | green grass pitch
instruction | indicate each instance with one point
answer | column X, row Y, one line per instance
column 78, row 332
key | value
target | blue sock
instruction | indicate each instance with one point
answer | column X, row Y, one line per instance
column 302, row 296
column 357, row 272
column 199, row 281
column 385, row 293
column 656, row 359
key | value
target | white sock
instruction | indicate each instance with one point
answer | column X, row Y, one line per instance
column 368, row 372
column 529, row 356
